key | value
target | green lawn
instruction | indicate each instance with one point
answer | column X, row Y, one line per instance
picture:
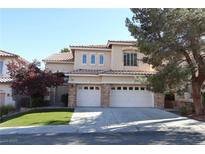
column 39, row 118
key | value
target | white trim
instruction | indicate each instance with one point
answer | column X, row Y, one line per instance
column 81, row 74
column 153, row 99
column 86, row 82
column 104, row 75
column 120, row 43
column 130, row 48
column 98, row 49
column 120, row 83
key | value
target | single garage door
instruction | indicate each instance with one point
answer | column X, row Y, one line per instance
column 131, row 96
column 88, row 96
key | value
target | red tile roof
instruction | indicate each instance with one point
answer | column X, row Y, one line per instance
column 7, row 54
column 86, row 71
column 113, row 72
column 123, row 41
column 89, row 46
column 60, row 57
column 125, row 72
column 107, row 46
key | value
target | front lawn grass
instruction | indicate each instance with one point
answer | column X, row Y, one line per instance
column 39, row 118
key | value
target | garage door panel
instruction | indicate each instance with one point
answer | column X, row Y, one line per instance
column 88, row 96
column 131, row 98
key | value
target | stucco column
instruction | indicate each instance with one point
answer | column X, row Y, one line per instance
column 72, row 93
column 105, row 95
column 158, row 100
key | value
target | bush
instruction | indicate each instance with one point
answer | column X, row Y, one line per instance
column 183, row 110
column 64, row 99
column 25, row 102
column 39, row 102
column 169, row 97
column 4, row 110
column 203, row 99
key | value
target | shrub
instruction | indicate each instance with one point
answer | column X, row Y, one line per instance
column 4, row 110
column 25, row 102
column 183, row 110
column 64, row 99
column 203, row 99
column 169, row 97
column 39, row 102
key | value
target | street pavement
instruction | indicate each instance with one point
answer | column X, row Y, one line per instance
column 131, row 138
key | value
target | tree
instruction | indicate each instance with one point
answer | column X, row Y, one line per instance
column 64, row 50
column 31, row 81
column 172, row 41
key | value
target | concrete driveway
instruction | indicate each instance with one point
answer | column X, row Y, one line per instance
column 115, row 120
column 86, row 120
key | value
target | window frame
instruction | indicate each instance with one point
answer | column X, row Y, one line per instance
column 130, row 59
column 92, row 54
column 142, row 88
column 1, row 67
column 103, row 56
column 84, row 54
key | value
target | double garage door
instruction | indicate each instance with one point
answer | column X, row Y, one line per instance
column 120, row 96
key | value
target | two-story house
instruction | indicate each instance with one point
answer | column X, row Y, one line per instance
column 110, row 75
column 5, row 79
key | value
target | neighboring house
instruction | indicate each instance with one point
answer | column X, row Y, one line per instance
column 111, row 75
column 59, row 62
column 5, row 80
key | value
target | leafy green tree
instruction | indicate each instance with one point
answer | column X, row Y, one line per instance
column 64, row 50
column 173, row 42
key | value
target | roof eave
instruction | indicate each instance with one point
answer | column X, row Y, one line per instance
column 85, row 48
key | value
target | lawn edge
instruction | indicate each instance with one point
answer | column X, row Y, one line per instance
column 35, row 110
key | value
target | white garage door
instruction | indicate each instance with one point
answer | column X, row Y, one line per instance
column 88, row 96
column 131, row 96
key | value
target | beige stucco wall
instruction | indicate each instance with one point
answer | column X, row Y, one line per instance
column 61, row 67
column 85, row 79
column 113, row 59
column 120, row 79
column 5, row 88
column 104, row 79
column 78, row 60
column 117, row 60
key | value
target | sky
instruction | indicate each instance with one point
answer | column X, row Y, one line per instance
column 38, row 33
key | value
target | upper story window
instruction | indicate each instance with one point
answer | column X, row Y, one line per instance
column 84, row 59
column 1, row 67
column 92, row 60
column 101, row 59
column 130, row 59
